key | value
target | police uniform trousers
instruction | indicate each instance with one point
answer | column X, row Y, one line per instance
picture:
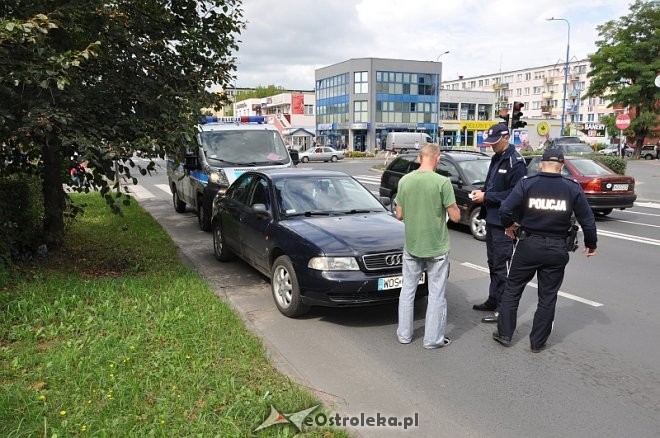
column 499, row 248
column 546, row 257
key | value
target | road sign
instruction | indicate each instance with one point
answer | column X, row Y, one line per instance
column 622, row 121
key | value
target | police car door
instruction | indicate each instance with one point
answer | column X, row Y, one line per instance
column 254, row 225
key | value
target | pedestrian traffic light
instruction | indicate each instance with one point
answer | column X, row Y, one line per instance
column 517, row 114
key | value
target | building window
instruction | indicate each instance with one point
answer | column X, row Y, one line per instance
column 309, row 110
column 361, row 82
column 538, row 90
column 600, row 116
column 486, row 81
column 590, row 117
column 448, row 111
column 481, row 82
column 508, row 79
column 360, row 112
column 526, row 91
column 520, row 77
column 528, row 76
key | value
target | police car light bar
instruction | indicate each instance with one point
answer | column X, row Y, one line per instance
column 243, row 119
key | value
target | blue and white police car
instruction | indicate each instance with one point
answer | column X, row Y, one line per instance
column 226, row 148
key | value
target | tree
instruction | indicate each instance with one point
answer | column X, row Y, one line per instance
column 624, row 67
column 260, row 91
column 105, row 80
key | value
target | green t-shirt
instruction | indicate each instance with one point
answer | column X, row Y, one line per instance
column 424, row 197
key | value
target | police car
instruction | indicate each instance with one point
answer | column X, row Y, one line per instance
column 226, row 148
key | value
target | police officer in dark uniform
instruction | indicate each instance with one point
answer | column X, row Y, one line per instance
column 539, row 212
column 507, row 167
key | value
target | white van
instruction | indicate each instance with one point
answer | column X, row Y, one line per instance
column 405, row 141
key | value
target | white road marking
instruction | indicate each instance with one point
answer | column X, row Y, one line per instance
column 647, row 205
column 140, row 192
column 368, row 179
column 638, row 223
column 534, row 285
column 165, row 188
column 640, row 213
column 622, row 236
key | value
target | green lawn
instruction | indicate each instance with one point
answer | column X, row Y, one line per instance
column 113, row 336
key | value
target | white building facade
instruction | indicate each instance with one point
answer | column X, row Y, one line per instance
column 541, row 90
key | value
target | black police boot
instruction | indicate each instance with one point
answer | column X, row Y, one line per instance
column 485, row 306
column 504, row 340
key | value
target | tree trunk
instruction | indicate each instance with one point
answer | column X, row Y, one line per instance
column 54, row 196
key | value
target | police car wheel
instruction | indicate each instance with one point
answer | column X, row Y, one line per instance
column 333, row 159
column 286, row 292
column 304, row 159
column 220, row 250
column 203, row 218
column 179, row 205
column 477, row 226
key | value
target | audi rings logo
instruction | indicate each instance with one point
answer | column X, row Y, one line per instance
column 394, row 259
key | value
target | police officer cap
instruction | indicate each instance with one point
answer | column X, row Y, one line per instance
column 496, row 132
column 554, row 154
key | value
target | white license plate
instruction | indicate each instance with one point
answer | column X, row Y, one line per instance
column 387, row 283
column 620, row 187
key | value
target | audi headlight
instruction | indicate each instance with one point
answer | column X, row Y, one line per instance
column 214, row 177
column 334, row 264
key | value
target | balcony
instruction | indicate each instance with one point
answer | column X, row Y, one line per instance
column 549, row 80
column 548, row 94
column 546, row 109
column 571, row 108
column 574, row 77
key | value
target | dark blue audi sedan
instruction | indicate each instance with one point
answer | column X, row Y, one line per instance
column 320, row 236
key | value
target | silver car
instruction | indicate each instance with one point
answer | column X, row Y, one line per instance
column 321, row 153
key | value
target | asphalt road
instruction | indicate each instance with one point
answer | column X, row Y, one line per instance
column 599, row 377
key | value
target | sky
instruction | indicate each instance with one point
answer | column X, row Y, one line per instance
column 286, row 40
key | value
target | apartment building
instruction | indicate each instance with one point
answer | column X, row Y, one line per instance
column 541, row 89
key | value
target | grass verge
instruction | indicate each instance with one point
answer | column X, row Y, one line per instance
column 112, row 336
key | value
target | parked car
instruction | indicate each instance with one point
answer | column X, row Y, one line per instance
column 611, row 150
column 320, row 236
column 605, row 189
column 466, row 170
column 573, row 148
column 647, row 153
column 322, row 153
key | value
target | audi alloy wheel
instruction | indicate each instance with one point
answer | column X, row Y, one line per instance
column 285, row 289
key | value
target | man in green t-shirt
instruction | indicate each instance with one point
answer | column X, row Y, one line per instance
column 424, row 200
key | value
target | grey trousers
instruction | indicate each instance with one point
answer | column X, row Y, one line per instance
column 436, row 311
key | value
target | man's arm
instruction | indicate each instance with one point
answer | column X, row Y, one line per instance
column 398, row 212
column 454, row 212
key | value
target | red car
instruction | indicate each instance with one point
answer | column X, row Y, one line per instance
column 605, row 189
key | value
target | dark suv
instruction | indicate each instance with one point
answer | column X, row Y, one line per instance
column 466, row 170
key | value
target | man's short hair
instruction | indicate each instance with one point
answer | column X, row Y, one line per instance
column 429, row 150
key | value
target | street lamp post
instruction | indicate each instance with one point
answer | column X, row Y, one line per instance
column 568, row 44
column 437, row 134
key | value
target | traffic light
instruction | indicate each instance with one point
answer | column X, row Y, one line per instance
column 517, row 114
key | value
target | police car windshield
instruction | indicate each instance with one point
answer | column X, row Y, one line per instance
column 245, row 147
